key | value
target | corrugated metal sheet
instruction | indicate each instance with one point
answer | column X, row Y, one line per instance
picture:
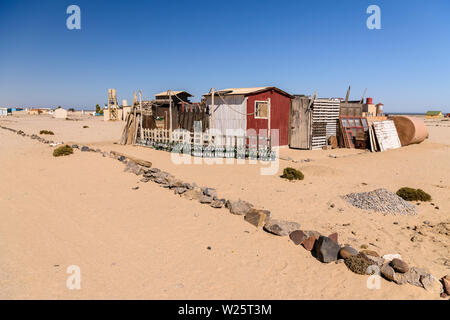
column 229, row 112
column 325, row 119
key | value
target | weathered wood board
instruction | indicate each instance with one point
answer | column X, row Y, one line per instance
column 386, row 134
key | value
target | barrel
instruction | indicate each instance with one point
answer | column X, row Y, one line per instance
column 410, row 130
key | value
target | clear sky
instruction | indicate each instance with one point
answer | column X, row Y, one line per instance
column 299, row 46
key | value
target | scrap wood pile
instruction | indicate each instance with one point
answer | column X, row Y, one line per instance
column 394, row 133
column 135, row 122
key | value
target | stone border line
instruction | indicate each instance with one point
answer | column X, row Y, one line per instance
column 326, row 249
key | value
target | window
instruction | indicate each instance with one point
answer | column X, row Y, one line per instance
column 261, row 109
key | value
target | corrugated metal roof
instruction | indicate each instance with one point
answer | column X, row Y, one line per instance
column 245, row 91
column 237, row 91
column 166, row 93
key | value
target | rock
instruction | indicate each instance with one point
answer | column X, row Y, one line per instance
column 75, row 146
column 281, row 227
column 388, row 272
column 399, row 265
column 239, row 207
column 153, row 170
column 145, row 180
column 193, row 194
column 257, row 217
column 400, row 278
column 179, row 190
column 326, row 250
column 161, row 180
column 135, row 188
column 413, row 276
column 431, row 284
column 217, row 204
column 105, row 154
column 370, row 253
column 391, row 256
column 205, row 199
column 357, row 263
column 298, row 237
column 375, row 260
column 446, row 283
column 444, row 295
column 174, row 183
column 309, row 243
column 364, row 246
column 210, row 192
column 312, row 233
column 134, row 168
column 84, row 149
column 347, row 252
column 334, row 237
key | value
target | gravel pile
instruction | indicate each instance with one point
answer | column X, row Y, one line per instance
column 380, row 200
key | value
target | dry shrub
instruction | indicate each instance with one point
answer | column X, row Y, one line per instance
column 411, row 194
column 292, row 174
column 63, row 151
column 357, row 264
column 46, row 132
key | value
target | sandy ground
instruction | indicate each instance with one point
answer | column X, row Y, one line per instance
column 150, row 244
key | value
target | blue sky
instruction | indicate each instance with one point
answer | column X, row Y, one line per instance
column 299, row 46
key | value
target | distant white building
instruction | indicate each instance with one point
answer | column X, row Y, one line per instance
column 60, row 113
column 3, row 112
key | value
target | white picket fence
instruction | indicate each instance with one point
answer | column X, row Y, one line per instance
column 202, row 143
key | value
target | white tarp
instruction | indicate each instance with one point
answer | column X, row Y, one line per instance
column 229, row 112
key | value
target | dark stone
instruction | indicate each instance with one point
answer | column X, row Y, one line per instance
column 84, row 149
column 399, row 265
column 298, row 237
column 326, row 250
column 388, row 272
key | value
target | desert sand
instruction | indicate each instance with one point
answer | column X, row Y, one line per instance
column 151, row 244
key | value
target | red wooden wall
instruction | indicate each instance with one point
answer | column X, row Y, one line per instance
column 279, row 114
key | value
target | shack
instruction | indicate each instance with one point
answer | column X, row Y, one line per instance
column 258, row 109
column 434, row 115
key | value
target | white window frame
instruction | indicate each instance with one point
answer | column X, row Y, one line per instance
column 268, row 106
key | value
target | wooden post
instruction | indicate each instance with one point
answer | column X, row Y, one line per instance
column 140, row 108
column 212, row 108
column 170, row 115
